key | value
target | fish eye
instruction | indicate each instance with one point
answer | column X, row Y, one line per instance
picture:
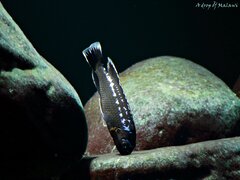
column 118, row 130
column 126, row 144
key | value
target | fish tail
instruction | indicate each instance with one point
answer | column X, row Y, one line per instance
column 93, row 55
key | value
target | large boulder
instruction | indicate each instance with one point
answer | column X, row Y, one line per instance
column 174, row 101
column 43, row 128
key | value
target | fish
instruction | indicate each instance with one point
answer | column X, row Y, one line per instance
column 114, row 107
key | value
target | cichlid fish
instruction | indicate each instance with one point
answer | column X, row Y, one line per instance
column 113, row 103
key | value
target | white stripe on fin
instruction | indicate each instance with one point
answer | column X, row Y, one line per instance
column 93, row 54
column 100, row 107
column 96, row 45
column 112, row 70
column 95, row 80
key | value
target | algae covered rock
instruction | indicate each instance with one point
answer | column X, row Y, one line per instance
column 216, row 159
column 43, row 128
column 174, row 101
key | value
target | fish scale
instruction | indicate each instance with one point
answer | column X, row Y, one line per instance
column 108, row 102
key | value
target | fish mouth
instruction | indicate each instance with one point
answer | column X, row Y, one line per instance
column 125, row 147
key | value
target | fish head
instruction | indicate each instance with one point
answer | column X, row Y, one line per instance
column 123, row 141
column 125, row 147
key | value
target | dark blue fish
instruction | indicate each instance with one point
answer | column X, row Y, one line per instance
column 113, row 103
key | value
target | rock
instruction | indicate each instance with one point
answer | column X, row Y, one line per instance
column 216, row 159
column 236, row 87
column 43, row 128
column 174, row 101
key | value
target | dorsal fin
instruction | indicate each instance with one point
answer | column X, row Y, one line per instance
column 112, row 70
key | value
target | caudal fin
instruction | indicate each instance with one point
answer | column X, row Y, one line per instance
column 93, row 55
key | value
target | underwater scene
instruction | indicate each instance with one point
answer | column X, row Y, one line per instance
column 119, row 90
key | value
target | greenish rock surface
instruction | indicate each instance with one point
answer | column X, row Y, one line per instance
column 216, row 159
column 43, row 128
column 174, row 101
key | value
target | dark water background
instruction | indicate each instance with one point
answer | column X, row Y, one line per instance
column 130, row 31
